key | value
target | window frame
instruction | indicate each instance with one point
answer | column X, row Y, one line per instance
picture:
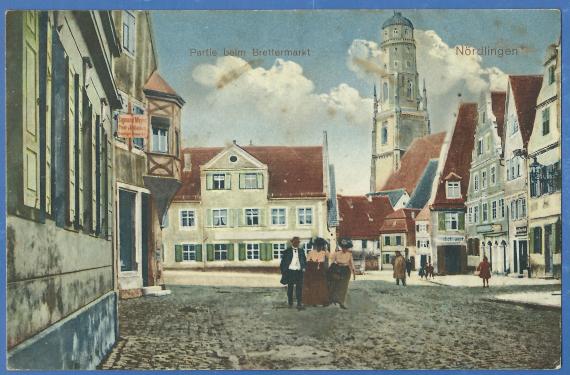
column 186, row 251
column 251, row 215
column 450, row 218
column 281, row 247
column 181, row 218
column 252, row 251
column 284, row 209
column 219, row 210
column 218, row 251
column 304, row 215
column 453, row 187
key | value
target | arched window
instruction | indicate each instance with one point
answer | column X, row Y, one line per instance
column 410, row 89
column 384, row 133
column 385, row 91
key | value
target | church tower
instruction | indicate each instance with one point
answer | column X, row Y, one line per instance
column 400, row 110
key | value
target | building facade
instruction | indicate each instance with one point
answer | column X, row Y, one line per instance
column 400, row 109
column 398, row 233
column 487, row 223
column 61, row 282
column 239, row 206
column 423, row 238
column 448, row 208
column 545, row 177
column 522, row 93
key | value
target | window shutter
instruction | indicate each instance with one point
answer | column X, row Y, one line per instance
column 178, row 253
column 531, row 240
column 30, row 92
column 209, row 181
column 461, row 225
column 262, row 217
column 48, row 117
column 262, row 251
column 198, row 252
column 240, row 216
column 208, row 217
column 260, row 180
column 94, row 156
column 241, row 180
column 209, row 252
column 231, row 251
column 241, row 250
column 441, row 221
column 79, row 153
column 228, row 181
column 71, row 145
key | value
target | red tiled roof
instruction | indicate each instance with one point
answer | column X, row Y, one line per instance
column 362, row 217
column 293, row 171
column 498, row 107
column 458, row 159
column 525, row 91
column 402, row 221
column 157, row 83
column 414, row 162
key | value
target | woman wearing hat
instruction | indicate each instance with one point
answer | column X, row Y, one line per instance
column 342, row 265
column 315, row 290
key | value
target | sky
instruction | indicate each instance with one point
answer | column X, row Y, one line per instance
column 269, row 100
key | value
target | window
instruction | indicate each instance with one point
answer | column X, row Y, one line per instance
column 387, row 240
column 220, row 217
column 364, row 244
column 545, row 121
column 385, row 91
column 502, row 207
column 551, row 74
column 252, row 250
column 129, row 32
column 220, row 251
column 159, row 140
column 410, row 89
column 476, row 182
column 278, row 249
column 251, row 216
column 251, row 181
column 521, row 208
column 493, row 210
column 479, row 147
column 514, row 126
column 476, row 214
column 398, row 240
column 483, row 180
column 219, row 180
column 278, row 216
column 493, row 174
column 395, row 32
column 470, row 215
column 188, row 252
column 537, row 240
column 386, row 259
column 138, row 142
column 451, row 221
column 485, row 212
column 385, row 132
column 305, row 216
column 187, row 219
column 545, row 179
column 453, row 189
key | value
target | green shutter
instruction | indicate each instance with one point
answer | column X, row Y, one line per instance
column 178, row 253
column 261, row 251
column 210, row 252
column 241, row 254
column 260, row 180
column 441, row 221
column 461, row 221
column 198, row 253
column 209, row 181
column 531, row 240
column 262, row 217
column 231, row 251
column 267, row 251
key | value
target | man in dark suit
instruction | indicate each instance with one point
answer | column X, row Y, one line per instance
column 293, row 264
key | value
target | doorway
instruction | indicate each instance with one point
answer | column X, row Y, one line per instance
column 127, row 236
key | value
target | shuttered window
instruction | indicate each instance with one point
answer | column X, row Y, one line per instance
column 70, row 144
column 48, row 115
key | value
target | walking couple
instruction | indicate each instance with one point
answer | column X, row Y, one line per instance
column 309, row 276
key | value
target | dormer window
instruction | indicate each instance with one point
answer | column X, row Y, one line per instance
column 453, row 190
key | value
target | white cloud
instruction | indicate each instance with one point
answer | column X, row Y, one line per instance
column 446, row 73
column 279, row 105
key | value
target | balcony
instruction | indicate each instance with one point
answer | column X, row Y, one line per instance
column 163, row 165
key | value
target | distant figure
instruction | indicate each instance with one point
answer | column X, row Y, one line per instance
column 484, row 269
column 408, row 266
column 400, row 268
column 423, row 272
column 293, row 264
column 429, row 270
column 342, row 265
column 315, row 289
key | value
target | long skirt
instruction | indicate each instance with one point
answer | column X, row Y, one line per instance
column 338, row 286
column 315, row 290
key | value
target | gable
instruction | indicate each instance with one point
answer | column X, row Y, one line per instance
column 233, row 158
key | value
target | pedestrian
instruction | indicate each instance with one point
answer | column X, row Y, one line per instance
column 484, row 269
column 423, row 272
column 408, row 266
column 293, row 265
column 342, row 265
column 400, row 268
column 429, row 272
column 315, row 289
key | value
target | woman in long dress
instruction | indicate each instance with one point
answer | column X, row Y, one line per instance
column 342, row 266
column 315, row 290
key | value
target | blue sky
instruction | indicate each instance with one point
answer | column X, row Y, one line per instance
column 214, row 117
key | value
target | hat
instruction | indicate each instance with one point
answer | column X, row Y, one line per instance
column 320, row 243
column 346, row 243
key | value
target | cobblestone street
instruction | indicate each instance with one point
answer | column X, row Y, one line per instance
column 386, row 327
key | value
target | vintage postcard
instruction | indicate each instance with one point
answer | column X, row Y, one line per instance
column 283, row 189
